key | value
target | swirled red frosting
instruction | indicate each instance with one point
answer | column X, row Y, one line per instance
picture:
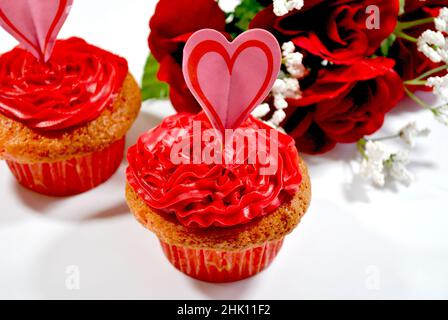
column 71, row 89
column 204, row 194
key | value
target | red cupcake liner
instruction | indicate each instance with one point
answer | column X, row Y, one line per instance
column 70, row 177
column 222, row 266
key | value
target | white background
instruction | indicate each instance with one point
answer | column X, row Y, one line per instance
column 355, row 241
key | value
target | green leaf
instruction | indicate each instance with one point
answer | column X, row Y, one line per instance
column 153, row 88
column 387, row 44
column 245, row 12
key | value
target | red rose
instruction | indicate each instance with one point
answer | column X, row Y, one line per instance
column 410, row 62
column 335, row 30
column 171, row 26
column 344, row 104
column 412, row 6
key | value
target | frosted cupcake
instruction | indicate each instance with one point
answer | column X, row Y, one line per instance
column 220, row 189
column 216, row 222
column 63, row 122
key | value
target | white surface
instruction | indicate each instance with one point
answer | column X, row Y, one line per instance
column 355, row 241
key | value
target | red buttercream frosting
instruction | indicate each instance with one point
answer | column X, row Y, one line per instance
column 71, row 89
column 204, row 194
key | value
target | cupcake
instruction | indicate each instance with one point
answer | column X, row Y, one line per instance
column 221, row 220
column 63, row 121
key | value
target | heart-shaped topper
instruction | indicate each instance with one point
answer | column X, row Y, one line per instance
column 230, row 79
column 34, row 23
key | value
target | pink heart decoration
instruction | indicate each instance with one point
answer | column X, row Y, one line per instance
column 34, row 23
column 230, row 79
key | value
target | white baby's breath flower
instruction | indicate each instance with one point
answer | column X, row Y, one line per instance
column 282, row 7
column 380, row 163
column 441, row 21
column 440, row 86
column 441, row 114
column 228, row 6
column 373, row 171
column 279, row 102
column 278, row 117
column 261, row 111
column 397, row 167
column 372, row 167
column 293, row 60
column 283, row 89
column 433, row 45
column 288, row 47
column 377, row 151
column 286, row 88
column 292, row 88
column 279, row 87
column 411, row 131
column 294, row 4
column 294, row 64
